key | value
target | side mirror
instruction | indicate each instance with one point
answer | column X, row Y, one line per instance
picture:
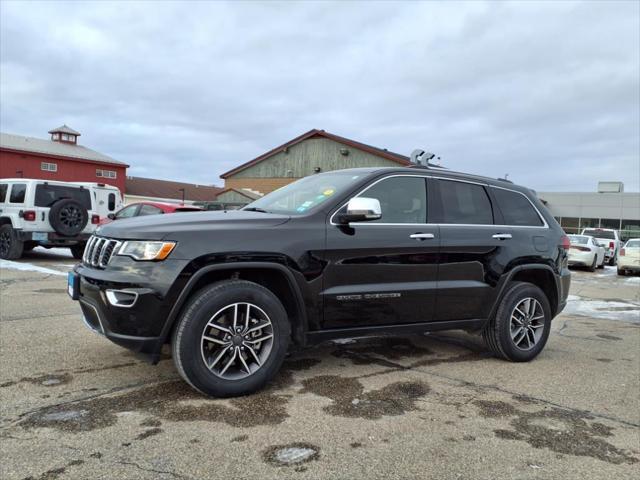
column 112, row 216
column 361, row 209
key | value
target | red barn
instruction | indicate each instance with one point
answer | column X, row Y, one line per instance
column 60, row 158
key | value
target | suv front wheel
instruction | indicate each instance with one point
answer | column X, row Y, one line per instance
column 520, row 328
column 231, row 338
column 10, row 246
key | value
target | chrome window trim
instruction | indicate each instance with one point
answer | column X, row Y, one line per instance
column 372, row 224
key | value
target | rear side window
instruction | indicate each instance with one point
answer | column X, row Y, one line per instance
column 47, row 195
column 465, row 203
column 3, row 191
column 516, row 208
column 111, row 202
column 18, row 192
column 149, row 210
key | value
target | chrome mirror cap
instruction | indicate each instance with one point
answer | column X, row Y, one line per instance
column 361, row 209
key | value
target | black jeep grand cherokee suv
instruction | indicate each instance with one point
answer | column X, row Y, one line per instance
column 345, row 253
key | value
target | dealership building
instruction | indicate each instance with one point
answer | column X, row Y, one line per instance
column 609, row 207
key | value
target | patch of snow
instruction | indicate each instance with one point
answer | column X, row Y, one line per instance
column 290, row 455
column 64, row 252
column 64, row 416
column 28, row 267
column 605, row 309
column 343, row 341
column 632, row 280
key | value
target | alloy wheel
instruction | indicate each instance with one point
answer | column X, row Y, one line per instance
column 71, row 216
column 5, row 243
column 527, row 323
column 236, row 341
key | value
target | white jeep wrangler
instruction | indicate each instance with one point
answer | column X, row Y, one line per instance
column 45, row 213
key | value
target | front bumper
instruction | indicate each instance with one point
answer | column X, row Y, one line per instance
column 136, row 325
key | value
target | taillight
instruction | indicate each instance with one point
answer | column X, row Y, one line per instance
column 29, row 216
column 622, row 252
column 565, row 243
column 95, row 219
column 611, row 245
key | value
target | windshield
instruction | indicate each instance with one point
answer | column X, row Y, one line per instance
column 633, row 244
column 305, row 194
column 596, row 232
column 578, row 240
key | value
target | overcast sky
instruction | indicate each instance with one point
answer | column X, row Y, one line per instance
column 548, row 92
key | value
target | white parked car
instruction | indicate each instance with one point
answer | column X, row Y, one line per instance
column 629, row 258
column 610, row 239
column 586, row 251
column 45, row 213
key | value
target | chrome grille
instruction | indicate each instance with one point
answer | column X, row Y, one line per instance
column 99, row 250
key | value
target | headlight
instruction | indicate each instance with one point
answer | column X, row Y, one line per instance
column 140, row 250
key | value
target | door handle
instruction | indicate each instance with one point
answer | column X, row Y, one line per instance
column 502, row 236
column 421, row 236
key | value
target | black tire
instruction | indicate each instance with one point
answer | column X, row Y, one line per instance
column 10, row 246
column 592, row 268
column 497, row 334
column 68, row 217
column 187, row 340
column 28, row 246
column 622, row 273
column 77, row 250
column 612, row 261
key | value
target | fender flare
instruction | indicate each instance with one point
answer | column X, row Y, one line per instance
column 509, row 275
column 235, row 266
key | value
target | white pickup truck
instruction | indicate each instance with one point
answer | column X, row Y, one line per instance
column 609, row 239
column 51, row 214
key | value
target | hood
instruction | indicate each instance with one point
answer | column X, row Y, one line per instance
column 159, row 227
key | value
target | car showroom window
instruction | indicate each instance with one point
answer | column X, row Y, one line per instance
column 3, row 191
column 516, row 208
column 464, row 203
column 18, row 192
column 402, row 199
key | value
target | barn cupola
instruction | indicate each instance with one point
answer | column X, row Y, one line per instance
column 64, row 134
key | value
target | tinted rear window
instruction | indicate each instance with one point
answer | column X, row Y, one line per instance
column 3, row 191
column 465, row 203
column 47, row 195
column 575, row 239
column 516, row 208
column 594, row 232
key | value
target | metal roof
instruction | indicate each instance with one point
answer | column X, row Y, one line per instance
column 154, row 188
column 49, row 147
column 65, row 129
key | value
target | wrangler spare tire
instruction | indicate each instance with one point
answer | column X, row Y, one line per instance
column 68, row 217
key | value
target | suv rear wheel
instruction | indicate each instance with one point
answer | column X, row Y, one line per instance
column 10, row 246
column 231, row 338
column 520, row 328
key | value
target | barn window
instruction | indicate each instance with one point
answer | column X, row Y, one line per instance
column 105, row 173
column 49, row 167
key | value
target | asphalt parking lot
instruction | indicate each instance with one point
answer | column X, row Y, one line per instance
column 73, row 405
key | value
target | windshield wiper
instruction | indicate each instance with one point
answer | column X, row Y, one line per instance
column 255, row 209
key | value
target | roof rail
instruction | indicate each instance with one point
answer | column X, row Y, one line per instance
column 505, row 180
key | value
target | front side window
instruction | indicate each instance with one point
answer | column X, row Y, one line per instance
column 402, row 199
column 3, row 191
column 516, row 209
column 18, row 192
column 127, row 212
column 464, row 203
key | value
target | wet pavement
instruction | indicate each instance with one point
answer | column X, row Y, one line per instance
column 73, row 405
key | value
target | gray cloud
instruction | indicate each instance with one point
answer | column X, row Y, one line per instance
column 548, row 92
